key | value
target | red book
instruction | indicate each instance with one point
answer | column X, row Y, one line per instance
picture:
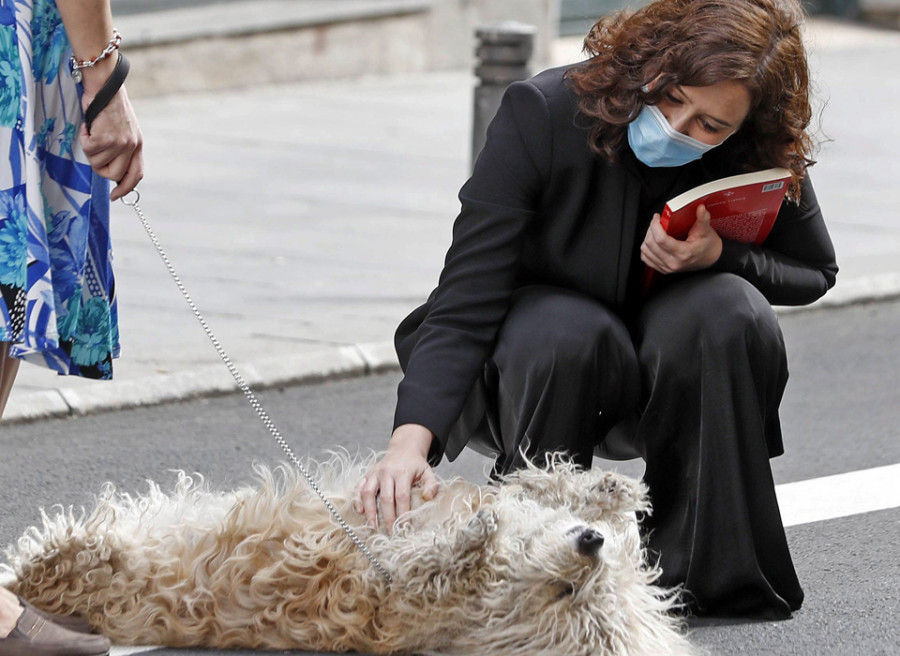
column 742, row 208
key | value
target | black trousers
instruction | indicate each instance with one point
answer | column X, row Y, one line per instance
column 697, row 379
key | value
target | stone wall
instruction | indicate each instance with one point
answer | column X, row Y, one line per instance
column 237, row 44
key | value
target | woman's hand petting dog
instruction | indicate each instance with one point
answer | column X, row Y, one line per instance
column 389, row 483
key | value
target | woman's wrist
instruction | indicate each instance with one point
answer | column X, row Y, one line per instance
column 413, row 437
column 94, row 77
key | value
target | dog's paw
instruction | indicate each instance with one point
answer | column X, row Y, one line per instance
column 618, row 493
column 472, row 536
column 481, row 526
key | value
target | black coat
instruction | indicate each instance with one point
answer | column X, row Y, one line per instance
column 542, row 208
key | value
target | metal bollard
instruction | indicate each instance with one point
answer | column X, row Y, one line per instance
column 503, row 50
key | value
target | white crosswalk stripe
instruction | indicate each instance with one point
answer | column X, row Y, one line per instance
column 841, row 495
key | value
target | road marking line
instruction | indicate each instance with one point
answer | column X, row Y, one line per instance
column 841, row 495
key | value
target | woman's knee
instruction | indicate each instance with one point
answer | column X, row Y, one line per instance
column 718, row 311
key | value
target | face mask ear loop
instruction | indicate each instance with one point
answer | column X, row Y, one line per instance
column 674, row 134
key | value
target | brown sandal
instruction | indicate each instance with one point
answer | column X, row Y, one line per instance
column 35, row 636
column 75, row 623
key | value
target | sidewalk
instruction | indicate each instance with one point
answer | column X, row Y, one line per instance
column 307, row 220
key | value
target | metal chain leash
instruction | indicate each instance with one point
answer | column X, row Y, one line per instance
column 251, row 397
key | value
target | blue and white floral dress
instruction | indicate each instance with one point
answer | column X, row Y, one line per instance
column 57, row 292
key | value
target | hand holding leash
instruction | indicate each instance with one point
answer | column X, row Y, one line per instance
column 110, row 135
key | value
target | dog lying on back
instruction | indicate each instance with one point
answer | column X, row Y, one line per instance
column 548, row 562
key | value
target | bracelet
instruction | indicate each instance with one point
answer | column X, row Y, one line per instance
column 112, row 86
column 111, row 47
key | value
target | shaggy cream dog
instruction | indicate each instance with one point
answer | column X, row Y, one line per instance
column 549, row 562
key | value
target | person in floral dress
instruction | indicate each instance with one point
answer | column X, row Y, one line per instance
column 57, row 289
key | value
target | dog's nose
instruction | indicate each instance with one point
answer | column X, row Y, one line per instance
column 589, row 542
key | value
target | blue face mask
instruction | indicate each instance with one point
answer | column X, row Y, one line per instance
column 656, row 143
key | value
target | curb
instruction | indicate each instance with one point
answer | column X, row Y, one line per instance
column 347, row 361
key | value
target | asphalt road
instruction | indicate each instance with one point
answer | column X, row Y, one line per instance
column 840, row 415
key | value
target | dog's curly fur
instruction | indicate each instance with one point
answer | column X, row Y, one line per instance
column 480, row 570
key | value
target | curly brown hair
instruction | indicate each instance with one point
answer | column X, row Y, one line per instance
column 699, row 43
